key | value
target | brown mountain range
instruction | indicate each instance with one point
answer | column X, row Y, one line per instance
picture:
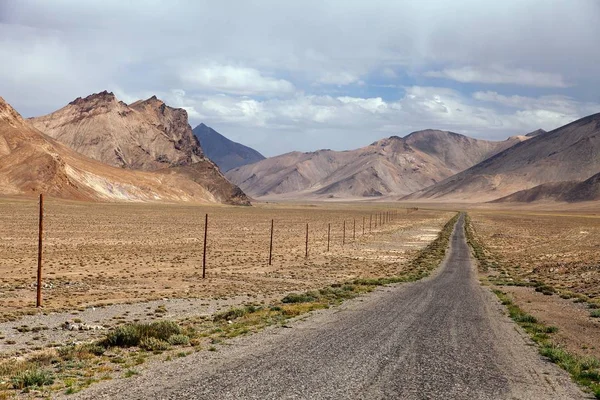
column 568, row 153
column 390, row 166
column 32, row 162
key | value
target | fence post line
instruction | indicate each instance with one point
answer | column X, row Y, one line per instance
column 38, row 300
column 328, row 235
column 306, row 250
column 271, row 243
column 204, row 252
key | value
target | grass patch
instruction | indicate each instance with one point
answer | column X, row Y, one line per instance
column 35, row 377
column 134, row 334
column 299, row 298
column 179, row 340
column 583, row 370
column 595, row 313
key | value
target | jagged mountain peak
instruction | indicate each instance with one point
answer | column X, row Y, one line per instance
column 145, row 135
column 101, row 97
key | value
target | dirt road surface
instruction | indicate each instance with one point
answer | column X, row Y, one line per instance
column 443, row 337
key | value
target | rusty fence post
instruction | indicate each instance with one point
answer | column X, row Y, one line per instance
column 204, row 252
column 271, row 243
column 306, row 250
column 328, row 235
column 38, row 301
column 363, row 226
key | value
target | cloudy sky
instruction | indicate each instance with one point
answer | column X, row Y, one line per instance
column 303, row 75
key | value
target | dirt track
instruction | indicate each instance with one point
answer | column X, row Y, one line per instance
column 444, row 337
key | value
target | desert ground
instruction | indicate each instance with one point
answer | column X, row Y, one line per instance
column 111, row 264
column 547, row 258
column 102, row 254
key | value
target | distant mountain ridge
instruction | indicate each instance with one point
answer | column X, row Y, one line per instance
column 224, row 152
column 568, row 153
column 389, row 166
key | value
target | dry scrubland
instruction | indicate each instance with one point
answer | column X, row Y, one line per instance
column 548, row 263
column 98, row 254
column 563, row 251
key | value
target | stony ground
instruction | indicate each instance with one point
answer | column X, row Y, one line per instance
column 444, row 337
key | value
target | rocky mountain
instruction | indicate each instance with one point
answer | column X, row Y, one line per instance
column 146, row 135
column 571, row 191
column 569, row 153
column 32, row 162
column 390, row 166
column 226, row 153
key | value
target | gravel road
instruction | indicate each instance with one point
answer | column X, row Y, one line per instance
column 443, row 337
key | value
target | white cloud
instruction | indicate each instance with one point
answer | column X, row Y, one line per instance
column 374, row 105
column 500, row 75
column 309, row 122
column 287, row 75
column 340, row 78
column 564, row 105
column 234, row 80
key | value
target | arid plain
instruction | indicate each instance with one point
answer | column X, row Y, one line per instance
column 99, row 254
column 545, row 257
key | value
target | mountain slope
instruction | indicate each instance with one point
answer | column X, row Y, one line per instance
column 564, row 154
column 145, row 135
column 390, row 166
column 570, row 191
column 31, row 163
column 226, row 153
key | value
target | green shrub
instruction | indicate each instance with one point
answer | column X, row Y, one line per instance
column 124, row 336
column 299, row 298
column 32, row 378
column 179, row 340
column 234, row 313
column 132, row 334
column 154, row 344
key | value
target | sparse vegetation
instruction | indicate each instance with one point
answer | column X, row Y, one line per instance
column 585, row 370
column 179, row 340
column 133, row 334
column 34, row 377
column 129, row 344
column 153, row 344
